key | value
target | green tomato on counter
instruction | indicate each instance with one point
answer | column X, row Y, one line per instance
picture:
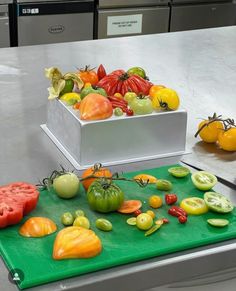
column 141, row 105
column 92, row 89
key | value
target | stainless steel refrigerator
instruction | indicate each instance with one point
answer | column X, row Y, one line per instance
column 197, row 14
column 4, row 23
column 131, row 17
column 48, row 21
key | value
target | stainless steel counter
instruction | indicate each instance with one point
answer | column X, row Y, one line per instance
column 200, row 65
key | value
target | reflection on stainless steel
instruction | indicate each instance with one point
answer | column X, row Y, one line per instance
column 200, row 65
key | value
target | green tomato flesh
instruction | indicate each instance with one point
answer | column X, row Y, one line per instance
column 179, row 172
column 66, row 186
column 218, row 202
column 203, row 180
column 218, row 222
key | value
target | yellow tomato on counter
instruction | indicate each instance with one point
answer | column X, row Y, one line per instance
column 227, row 139
column 210, row 131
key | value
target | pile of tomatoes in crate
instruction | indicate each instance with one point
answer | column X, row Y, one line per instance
column 98, row 95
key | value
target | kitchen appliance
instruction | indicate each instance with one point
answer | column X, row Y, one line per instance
column 195, row 14
column 132, row 17
column 53, row 22
column 4, row 23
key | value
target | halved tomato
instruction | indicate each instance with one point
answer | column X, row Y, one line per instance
column 130, row 206
column 146, row 178
column 16, row 199
column 194, row 205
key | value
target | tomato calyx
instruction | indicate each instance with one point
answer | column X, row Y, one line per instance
column 86, row 69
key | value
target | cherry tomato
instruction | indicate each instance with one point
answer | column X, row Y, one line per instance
column 210, row 132
column 76, row 106
column 182, row 219
column 227, row 139
column 151, row 213
column 170, row 198
column 137, row 212
column 155, row 201
column 88, row 75
column 129, row 112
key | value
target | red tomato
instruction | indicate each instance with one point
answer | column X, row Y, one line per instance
column 120, row 82
column 16, row 200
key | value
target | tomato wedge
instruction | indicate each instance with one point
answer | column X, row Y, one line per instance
column 146, row 178
column 16, row 200
column 129, row 206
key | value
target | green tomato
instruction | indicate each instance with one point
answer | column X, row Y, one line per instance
column 218, row 202
column 103, row 224
column 67, row 219
column 69, row 85
column 130, row 96
column 163, row 185
column 92, row 89
column 118, row 111
column 179, row 172
column 137, row 71
column 79, row 212
column 141, row 105
column 203, row 180
column 66, row 186
column 82, row 221
column 144, row 221
column 104, row 196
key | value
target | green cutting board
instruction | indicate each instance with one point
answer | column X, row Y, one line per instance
column 124, row 244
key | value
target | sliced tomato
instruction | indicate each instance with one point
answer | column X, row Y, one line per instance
column 16, row 200
column 194, row 205
column 146, row 178
column 130, row 206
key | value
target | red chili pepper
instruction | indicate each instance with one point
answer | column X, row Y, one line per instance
column 171, row 198
column 182, row 219
column 118, row 99
column 101, row 72
column 177, row 211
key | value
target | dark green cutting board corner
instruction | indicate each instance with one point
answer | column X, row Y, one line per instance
column 124, row 244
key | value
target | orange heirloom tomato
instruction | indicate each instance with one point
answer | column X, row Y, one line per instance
column 76, row 242
column 37, row 227
column 88, row 75
column 154, row 89
column 210, row 132
column 227, row 139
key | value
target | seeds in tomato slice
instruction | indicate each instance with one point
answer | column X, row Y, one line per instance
column 131, row 221
column 218, row 202
column 218, row 222
column 179, row 172
column 203, row 180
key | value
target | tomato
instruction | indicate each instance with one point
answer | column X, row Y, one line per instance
column 129, row 112
column 151, row 213
column 37, row 227
column 203, row 180
column 130, row 206
column 131, row 221
column 144, row 221
column 218, row 202
column 153, row 229
column 76, row 106
column 81, row 221
column 79, row 212
column 153, row 90
column 141, row 105
column 67, row 218
column 182, row 219
column 16, row 200
column 103, row 224
column 179, row 172
column 92, row 89
column 163, row 185
column 67, row 97
column 97, row 171
column 227, row 139
column 210, row 130
column 170, row 198
column 130, row 96
column 194, row 205
column 118, row 111
column 101, row 72
column 218, row 222
column 155, row 201
column 137, row 212
column 88, row 75
column 146, row 178
column 121, row 82
column 66, row 186
column 104, row 196
column 165, row 99
column 137, row 71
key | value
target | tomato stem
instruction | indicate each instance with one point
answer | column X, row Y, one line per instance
column 210, row 120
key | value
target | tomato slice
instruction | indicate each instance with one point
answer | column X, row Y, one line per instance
column 218, row 202
column 16, row 200
column 218, row 222
column 146, row 178
column 203, row 180
column 129, row 206
column 194, row 205
column 179, row 172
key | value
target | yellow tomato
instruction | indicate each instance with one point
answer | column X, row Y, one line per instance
column 210, row 132
column 87, row 84
column 151, row 213
column 154, row 89
column 118, row 95
column 165, row 99
column 155, row 201
column 146, row 178
column 194, row 205
column 69, row 96
column 227, row 139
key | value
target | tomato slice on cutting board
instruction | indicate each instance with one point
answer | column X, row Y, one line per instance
column 16, row 200
column 130, row 206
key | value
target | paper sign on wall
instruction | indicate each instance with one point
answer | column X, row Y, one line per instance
column 124, row 24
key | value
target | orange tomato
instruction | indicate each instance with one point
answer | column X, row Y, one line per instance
column 98, row 171
column 155, row 201
column 88, row 75
column 130, row 206
column 210, row 132
column 227, row 139
column 37, row 227
column 154, row 89
column 118, row 95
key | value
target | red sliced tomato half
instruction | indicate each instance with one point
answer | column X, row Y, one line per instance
column 130, row 206
column 16, row 200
